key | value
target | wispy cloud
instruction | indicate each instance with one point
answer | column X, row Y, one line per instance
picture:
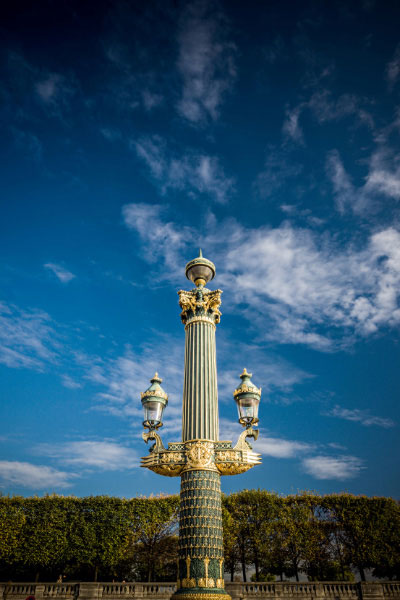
column 60, row 272
column 51, row 91
column 54, row 90
column 160, row 239
column 27, row 475
column 302, row 281
column 317, row 465
column 121, row 380
column 193, row 172
column 206, row 61
column 274, row 447
column 325, row 108
column 27, row 338
column 359, row 416
column 279, row 169
column 70, row 383
column 291, row 126
column 382, row 180
column 281, row 448
column 330, row 467
column 392, row 72
column 105, row 456
column 299, row 285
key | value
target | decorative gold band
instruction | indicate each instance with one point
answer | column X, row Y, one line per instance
column 200, row 319
column 200, row 596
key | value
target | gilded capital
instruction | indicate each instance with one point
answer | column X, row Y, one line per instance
column 200, row 302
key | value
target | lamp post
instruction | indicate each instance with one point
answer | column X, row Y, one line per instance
column 200, row 458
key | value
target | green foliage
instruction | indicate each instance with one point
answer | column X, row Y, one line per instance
column 324, row 537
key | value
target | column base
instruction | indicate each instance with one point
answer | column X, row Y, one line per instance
column 203, row 595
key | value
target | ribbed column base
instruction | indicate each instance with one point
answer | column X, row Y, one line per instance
column 201, row 549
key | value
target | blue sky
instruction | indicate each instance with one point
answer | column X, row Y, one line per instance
column 132, row 134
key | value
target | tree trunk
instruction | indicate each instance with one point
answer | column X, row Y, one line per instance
column 340, row 556
column 96, row 573
column 244, row 567
column 232, row 571
column 37, row 576
column 281, row 575
column 362, row 573
column 256, row 565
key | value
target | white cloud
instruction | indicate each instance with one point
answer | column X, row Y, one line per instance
column 300, row 280
column 106, row 456
column 345, row 194
column 291, row 126
column 63, row 275
column 49, row 88
column 324, row 108
column 194, row 173
column 384, row 174
column 70, row 383
column 281, row 448
column 382, row 179
column 121, row 380
column 151, row 99
column 298, row 285
column 205, row 62
column 393, row 68
column 278, row 170
column 331, row 467
column 27, row 475
column 160, row 238
column 359, row 416
column 27, row 338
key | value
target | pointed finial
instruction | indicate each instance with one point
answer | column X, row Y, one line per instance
column 245, row 374
column 156, row 378
column 200, row 253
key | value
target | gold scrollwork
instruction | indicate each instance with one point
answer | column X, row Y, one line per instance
column 200, row 596
column 247, row 389
column 207, row 582
column 159, row 393
column 188, row 582
column 200, row 454
column 193, row 302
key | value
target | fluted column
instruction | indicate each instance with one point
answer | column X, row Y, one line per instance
column 200, row 395
column 201, row 547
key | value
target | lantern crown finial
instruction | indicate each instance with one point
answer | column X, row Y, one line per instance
column 156, row 378
column 245, row 374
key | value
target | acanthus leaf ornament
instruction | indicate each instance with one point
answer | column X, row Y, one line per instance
column 200, row 302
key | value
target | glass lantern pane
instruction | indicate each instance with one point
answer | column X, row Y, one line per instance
column 248, row 408
column 153, row 411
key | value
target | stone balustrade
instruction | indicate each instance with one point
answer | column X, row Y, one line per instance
column 286, row 590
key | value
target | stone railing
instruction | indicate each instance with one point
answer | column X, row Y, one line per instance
column 286, row 590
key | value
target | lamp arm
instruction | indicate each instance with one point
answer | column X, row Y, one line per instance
column 241, row 443
column 152, row 435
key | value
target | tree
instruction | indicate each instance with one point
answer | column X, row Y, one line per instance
column 12, row 520
column 360, row 522
column 99, row 534
column 154, row 523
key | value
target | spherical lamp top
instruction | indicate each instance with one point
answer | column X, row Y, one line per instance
column 200, row 270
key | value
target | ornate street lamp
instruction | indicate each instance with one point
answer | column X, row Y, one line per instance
column 200, row 458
